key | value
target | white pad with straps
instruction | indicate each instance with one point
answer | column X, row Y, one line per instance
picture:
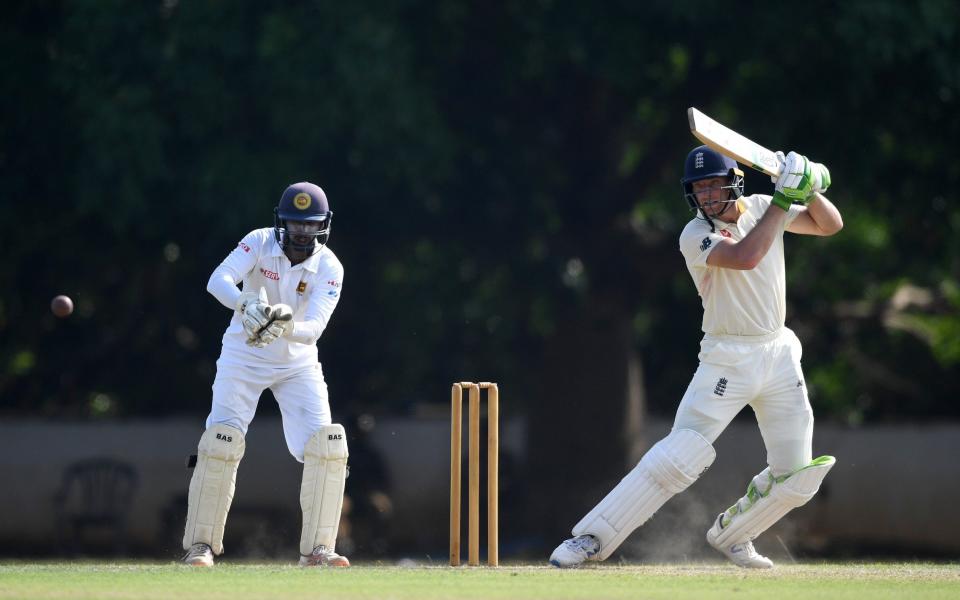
column 211, row 487
column 321, row 493
column 768, row 499
column 669, row 467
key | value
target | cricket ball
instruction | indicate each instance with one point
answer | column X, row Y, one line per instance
column 61, row 306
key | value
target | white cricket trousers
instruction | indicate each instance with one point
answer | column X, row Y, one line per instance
column 300, row 392
column 764, row 373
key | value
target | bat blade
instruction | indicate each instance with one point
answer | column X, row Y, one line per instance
column 730, row 143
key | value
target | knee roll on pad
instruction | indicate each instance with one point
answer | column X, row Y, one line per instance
column 321, row 492
column 669, row 467
column 760, row 508
column 212, row 485
column 678, row 460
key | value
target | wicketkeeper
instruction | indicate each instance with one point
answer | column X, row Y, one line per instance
column 734, row 252
column 291, row 285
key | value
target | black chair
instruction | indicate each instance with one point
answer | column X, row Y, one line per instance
column 95, row 496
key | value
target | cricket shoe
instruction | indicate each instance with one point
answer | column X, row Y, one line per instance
column 742, row 554
column 199, row 555
column 321, row 557
column 575, row 551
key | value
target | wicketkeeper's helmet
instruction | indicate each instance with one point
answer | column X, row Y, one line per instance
column 303, row 202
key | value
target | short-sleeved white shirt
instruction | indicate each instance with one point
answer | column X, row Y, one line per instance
column 311, row 288
column 738, row 302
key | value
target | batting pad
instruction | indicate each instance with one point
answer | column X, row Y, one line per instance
column 321, row 493
column 668, row 468
column 211, row 487
column 760, row 508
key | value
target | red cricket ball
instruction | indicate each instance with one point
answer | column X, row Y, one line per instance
column 61, row 306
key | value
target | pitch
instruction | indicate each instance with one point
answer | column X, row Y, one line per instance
column 239, row 581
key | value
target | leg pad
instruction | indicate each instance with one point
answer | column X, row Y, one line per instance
column 321, row 492
column 767, row 500
column 212, row 485
column 668, row 468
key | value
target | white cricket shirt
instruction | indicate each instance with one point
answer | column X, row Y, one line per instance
column 311, row 289
column 738, row 302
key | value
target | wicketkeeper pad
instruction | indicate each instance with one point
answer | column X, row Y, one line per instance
column 211, row 487
column 669, row 467
column 768, row 499
column 321, row 493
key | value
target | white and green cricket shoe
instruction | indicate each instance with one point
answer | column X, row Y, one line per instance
column 742, row 554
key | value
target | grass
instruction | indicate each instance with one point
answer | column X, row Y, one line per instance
column 239, row 581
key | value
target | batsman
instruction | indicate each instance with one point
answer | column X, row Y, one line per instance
column 291, row 285
column 733, row 249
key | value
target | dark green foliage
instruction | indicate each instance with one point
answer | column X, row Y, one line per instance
column 496, row 169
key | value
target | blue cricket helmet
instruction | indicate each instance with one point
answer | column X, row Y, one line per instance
column 703, row 162
column 303, row 201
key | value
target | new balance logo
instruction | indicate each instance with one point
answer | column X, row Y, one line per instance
column 721, row 387
column 800, row 383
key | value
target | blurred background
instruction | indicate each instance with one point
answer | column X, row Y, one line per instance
column 505, row 182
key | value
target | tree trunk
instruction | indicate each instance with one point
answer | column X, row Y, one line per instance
column 584, row 422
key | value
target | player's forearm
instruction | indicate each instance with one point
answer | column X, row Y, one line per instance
column 752, row 248
column 825, row 215
column 318, row 313
column 223, row 287
column 307, row 332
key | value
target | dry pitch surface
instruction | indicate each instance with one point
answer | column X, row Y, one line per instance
column 239, row 581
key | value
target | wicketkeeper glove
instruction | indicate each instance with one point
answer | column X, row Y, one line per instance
column 252, row 307
column 280, row 324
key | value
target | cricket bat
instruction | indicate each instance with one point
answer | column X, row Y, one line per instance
column 730, row 143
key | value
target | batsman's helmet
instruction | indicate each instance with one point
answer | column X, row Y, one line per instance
column 303, row 201
column 704, row 162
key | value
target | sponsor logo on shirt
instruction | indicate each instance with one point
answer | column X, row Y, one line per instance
column 270, row 274
column 705, row 244
column 245, row 247
column 301, row 287
column 333, row 293
column 333, row 283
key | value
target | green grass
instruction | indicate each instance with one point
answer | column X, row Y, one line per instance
column 238, row 581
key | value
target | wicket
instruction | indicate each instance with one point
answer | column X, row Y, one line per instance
column 493, row 449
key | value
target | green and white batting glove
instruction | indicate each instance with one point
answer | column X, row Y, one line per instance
column 821, row 177
column 795, row 182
